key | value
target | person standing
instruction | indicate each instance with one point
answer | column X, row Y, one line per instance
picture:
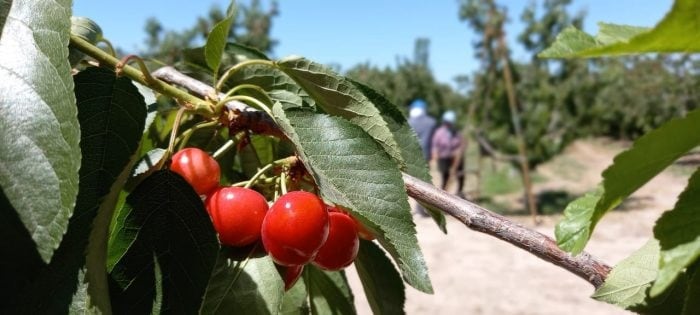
column 448, row 150
column 424, row 125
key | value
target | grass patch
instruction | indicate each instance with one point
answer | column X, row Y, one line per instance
column 500, row 179
column 553, row 201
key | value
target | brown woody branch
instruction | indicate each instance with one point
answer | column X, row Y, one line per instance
column 472, row 215
column 244, row 117
column 479, row 219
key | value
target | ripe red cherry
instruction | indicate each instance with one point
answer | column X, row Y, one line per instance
column 294, row 228
column 237, row 214
column 291, row 275
column 340, row 249
column 362, row 231
column 199, row 169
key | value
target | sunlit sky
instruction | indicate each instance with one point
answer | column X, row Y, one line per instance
column 346, row 33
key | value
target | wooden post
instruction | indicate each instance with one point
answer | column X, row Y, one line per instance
column 515, row 118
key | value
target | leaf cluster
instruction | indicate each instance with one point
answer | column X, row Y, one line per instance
column 564, row 100
column 662, row 277
column 97, row 223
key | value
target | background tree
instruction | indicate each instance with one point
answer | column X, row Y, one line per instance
column 251, row 28
column 411, row 79
column 498, row 55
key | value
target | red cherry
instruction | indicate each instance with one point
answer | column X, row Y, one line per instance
column 237, row 214
column 295, row 228
column 291, row 275
column 199, row 169
column 341, row 247
column 362, row 231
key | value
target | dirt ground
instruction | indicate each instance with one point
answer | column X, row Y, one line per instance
column 473, row 273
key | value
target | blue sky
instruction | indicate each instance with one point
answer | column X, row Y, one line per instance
column 350, row 32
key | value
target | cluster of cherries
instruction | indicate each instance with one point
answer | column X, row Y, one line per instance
column 297, row 229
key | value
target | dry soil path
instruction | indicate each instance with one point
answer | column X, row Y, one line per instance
column 473, row 273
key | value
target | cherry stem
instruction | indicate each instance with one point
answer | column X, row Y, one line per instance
column 283, row 182
column 277, row 189
column 173, row 133
column 197, row 104
column 223, row 149
column 258, row 174
column 228, row 97
column 251, row 100
column 119, row 68
column 237, row 88
column 235, row 68
column 110, row 48
column 185, row 137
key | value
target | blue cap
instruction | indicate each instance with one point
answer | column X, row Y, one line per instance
column 419, row 103
column 449, row 116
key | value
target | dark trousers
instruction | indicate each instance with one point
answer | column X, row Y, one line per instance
column 444, row 165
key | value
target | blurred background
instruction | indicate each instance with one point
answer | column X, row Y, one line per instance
column 538, row 133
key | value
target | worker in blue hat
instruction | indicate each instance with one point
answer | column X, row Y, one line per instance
column 424, row 125
column 448, row 150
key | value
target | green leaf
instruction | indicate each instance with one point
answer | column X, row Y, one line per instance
column 329, row 291
column 21, row 260
column 169, row 221
column 574, row 230
column 676, row 33
column 120, row 240
column 631, row 169
column 195, row 63
column 678, row 231
column 692, row 303
column 146, row 165
column 382, row 283
column 111, row 114
column 295, row 300
column 627, row 283
column 338, row 96
column 671, row 302
column 133, row 283
column 258, row 153
column 240, row 52
column 86, row 29
column 353, row 171
column 151, row 100
column 264, row 147
column 407, row 140
column 80, row 303
column 649, row 155
column 39, row 131
column 4, row 11
column 273, row 81
column 216, row 41
column 252, row 286
column 158, row 299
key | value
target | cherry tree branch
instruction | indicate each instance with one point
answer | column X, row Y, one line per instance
column 479, row 219
column 472, row 215
column 245, row 117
